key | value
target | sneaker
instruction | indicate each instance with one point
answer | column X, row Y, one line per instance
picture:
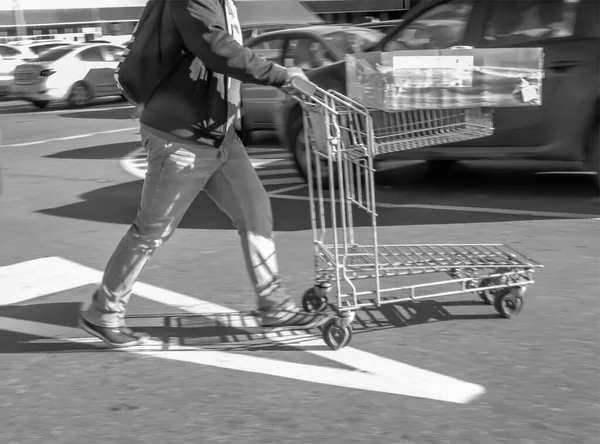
column 290, row 317
column 116, row 337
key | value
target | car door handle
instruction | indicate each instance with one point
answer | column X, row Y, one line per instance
column 563, row 65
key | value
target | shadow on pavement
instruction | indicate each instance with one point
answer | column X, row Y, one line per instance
column 24, row 107
column 111, row 114
column 117, row 204
column 520, row 181
column 196, row 331
column 114, row 151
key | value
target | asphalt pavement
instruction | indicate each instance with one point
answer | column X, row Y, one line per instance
column 430, row 372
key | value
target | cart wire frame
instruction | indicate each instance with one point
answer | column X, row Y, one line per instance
column 343, row 137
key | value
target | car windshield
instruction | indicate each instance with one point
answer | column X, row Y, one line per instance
column 38, row 49
column 55, row 54
column 354, row 41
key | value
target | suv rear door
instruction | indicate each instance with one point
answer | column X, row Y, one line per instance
column 568, row 60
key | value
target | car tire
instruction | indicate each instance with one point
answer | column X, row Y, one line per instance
column 244, row 134
column 297, row 144
column 441, row 166
column 80, row 95
column 594, row 156
column 40, row 104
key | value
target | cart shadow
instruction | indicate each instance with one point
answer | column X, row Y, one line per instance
column 229, row 332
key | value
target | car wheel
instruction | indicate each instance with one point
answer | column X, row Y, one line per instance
column 594, row 156
column 40, row 104
column 244, row 134
column 297, row 143
column 441, row 166
column 81, row 95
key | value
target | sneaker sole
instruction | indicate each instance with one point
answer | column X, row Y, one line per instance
column 94, row 333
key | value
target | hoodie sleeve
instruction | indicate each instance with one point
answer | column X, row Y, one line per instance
column 204, row 33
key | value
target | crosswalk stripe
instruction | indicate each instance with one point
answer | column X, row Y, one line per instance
column 277, row 172
column 283, row 181
column 273, row 156
column 286, row 163
column 266, row 150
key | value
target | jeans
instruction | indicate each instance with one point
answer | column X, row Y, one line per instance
column 176, row 174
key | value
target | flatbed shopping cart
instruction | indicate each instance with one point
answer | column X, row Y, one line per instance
column 343, row 137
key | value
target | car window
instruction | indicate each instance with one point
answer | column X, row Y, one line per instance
column 513, row 22
column 93, row 54
column 306, row 53
column 9, row 53
column 439, row 27
column 55, row 54
column 271, row 49
column 353, row 41
column 38, row 49
column 112, row 53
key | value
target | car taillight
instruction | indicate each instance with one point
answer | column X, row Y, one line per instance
column 47, row 72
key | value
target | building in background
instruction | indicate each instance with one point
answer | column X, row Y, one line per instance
column 358, row 11
column 69, row 19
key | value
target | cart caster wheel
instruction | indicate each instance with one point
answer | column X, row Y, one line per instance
column 336, row 335
column 313, row 302
column 509, row 303
column 487, row 296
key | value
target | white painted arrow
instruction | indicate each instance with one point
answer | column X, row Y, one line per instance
column 28, row 280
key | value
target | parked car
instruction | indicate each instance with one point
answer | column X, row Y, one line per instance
column 382, row 25
column 308, row 48
column 565, row 127
column 76, row 73
column 35, row 48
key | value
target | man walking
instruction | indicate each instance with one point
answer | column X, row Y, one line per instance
column 188, row 130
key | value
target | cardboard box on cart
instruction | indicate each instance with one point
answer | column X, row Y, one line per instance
column 446, row 79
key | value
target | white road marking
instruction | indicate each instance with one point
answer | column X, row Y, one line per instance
column 279, row 156
column 279, row 172
column 257, row 163
column 32, row 279
column 565, row 173
column 532, row 213
column 77, row 136
column 59, row 111
column 282, row 181
column 288, row 189
column 375, row 373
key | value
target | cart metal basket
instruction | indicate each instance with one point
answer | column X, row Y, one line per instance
column 344, row 137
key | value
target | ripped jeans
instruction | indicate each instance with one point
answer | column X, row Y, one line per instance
column 176, row 175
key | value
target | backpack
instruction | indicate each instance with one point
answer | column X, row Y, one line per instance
column 151, row 55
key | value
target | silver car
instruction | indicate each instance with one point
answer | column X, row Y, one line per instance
column 75, row 73
column 12, row 55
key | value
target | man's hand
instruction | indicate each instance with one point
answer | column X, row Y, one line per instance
column 291, row 73
column 295, row 72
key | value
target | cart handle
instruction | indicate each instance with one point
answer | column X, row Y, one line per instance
column 303, row 85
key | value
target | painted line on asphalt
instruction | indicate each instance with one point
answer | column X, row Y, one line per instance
column 277, row 172
column 547, row 214
column 282, row 181
column 288, row 189
column 369, row 371
column 58, row 111
column 77, row 136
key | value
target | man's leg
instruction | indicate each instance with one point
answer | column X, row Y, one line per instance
column 176, row 174
column 238, row 191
